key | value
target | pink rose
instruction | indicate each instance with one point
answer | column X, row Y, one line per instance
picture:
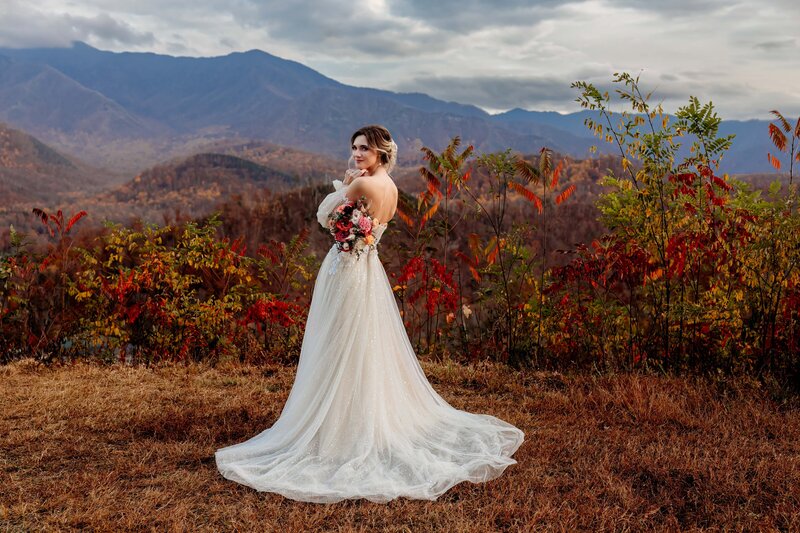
column 365, row 224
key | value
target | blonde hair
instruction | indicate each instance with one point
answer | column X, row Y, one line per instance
column 380, row 140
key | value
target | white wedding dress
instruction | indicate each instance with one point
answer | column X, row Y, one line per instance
column 362, row 420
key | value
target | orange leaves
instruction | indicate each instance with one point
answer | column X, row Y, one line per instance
column 782, row 121
column 429, row 213
column 527, row 194
column 492, row 249
column 57, row 221
column 432, row 181
column 566, row 193
column 653, row 275
column 778, row 137
column 75, row 218
column 556, row 174
column 402, row 215
column 474, row 242
column 546, row 172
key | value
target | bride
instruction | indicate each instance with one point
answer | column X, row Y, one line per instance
column 362, row 420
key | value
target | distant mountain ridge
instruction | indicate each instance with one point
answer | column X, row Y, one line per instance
column 32, row 172
column 131, row 110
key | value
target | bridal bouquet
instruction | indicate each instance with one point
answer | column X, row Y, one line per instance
column 351, row 226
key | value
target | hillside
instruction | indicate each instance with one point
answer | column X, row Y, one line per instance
column 31, row 171
column 197, row 185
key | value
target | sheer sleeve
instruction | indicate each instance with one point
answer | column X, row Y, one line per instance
column 330, row 202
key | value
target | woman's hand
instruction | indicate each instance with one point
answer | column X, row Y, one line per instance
column 351, row 174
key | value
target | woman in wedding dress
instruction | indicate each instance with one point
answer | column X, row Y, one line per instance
column 362, row 420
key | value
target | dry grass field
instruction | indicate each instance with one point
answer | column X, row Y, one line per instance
column 120, row 448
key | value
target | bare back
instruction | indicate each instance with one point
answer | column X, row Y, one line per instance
column 381, row 193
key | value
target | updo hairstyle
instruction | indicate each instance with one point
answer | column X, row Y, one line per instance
column 379, row 139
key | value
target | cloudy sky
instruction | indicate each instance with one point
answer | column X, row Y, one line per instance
column 744, row 55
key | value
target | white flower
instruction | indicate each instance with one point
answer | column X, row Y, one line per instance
column 356, row 216
column 466, row 311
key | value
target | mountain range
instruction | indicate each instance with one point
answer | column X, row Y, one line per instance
column 129, row 111
column 33, row 171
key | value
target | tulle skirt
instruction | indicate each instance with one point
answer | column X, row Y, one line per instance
column 362, row 420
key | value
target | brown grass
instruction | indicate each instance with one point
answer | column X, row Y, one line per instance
column 121, row 448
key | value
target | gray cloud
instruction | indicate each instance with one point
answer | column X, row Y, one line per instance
column 24, row 25
column 472, row 15
column 555, row 93
column 339, row 27
column 775, row 45
column 497, row 93
column 683, row 8
column 107, row 29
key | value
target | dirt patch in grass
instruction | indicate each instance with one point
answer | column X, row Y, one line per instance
column 119, row 448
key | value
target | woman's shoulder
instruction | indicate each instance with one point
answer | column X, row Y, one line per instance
column 371, row 184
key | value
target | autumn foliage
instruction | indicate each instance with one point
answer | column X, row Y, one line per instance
column 694, row 271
